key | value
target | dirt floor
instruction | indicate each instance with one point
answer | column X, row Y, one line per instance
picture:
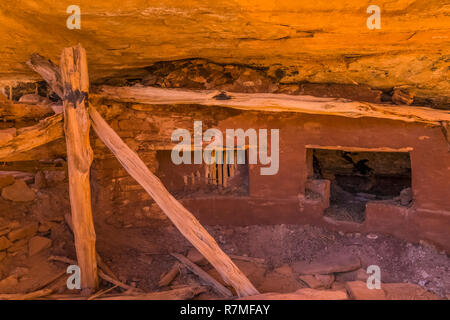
column 139, row 256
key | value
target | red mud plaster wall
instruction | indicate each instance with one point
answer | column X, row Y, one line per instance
column 430, row 159
column 275, row 199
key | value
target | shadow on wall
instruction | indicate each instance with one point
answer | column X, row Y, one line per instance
column 356, row 178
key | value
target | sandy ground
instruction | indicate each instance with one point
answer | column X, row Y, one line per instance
column 140, row 255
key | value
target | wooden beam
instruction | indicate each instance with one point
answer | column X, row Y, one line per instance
column 180, row 293
column 20, row 111
column 25, row 139
column 101, row 293
column 358, row 149
column 275, row 103
column 26, row 296
column 177, row 213
column 32, row 166
column 49, row 71
column 204, row 276
column 74, row 77
column 52, row 150
column 184, row 293
column 167, row 278
column 245, row 258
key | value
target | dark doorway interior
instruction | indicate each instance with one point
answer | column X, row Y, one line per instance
column 359, row 177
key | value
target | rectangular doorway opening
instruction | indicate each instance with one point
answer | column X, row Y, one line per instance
column 358, row 177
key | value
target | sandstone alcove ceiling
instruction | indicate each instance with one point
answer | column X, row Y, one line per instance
column 109, row 168
column 296, row 41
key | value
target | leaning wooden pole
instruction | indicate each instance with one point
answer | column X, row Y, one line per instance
column 180, row 216
column 177, row 213
column 75, row 84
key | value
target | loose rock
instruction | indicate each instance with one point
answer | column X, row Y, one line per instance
column 39, row 180
column 328, row 265
column 18, row 246
column 18, row 192
column 318, row 281
column 5, row 243
column 402, row 96
column 6, row 180
column 406, row 196
column 301, row 294
column 277, row 282
column 359, row 274
column 37, row 244
column 358, row 290
column 407, row 291
column 9, row 284
column 26, row 231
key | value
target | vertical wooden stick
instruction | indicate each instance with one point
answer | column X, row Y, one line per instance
column 207, row 175
column 75, row 81
column 225, row 168
column 232, row 165
column 214, row 167
column 219, row 174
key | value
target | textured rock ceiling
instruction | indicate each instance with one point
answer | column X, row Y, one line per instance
column 315, row 41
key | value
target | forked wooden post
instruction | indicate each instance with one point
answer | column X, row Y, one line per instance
column 75, row 83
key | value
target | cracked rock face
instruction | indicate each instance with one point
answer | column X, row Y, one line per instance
column 298, row 41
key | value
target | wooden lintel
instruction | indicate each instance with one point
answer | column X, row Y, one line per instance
column 274, row 103
column 360, row 149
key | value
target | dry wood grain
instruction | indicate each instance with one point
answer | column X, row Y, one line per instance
column 167, row 278
column 184, row 293
column 75, row 81
column 275, row 103
column 21, row 111
column 245, row 258
column 28, row 138
column 48, row 71
column 26, row 296
column 205, row 277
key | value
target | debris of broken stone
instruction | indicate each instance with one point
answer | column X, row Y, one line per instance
column 18, row 192
column 6, row 180
column 26, row 231
column 37, row 244
column 358, row 290
column 327, row 265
